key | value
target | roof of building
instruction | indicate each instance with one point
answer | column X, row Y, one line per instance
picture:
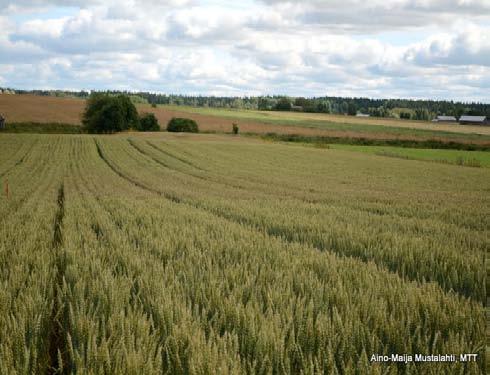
column 473, row 118
column 446, row 118
column 362, row 115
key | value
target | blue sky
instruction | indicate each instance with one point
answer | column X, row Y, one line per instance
column 436, row 49
column 51, row 12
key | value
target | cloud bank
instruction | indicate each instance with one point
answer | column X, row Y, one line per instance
column 401, row 48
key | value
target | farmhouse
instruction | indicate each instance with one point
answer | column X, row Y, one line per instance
column 445, row 119
column 473, row 120
column 2, row 122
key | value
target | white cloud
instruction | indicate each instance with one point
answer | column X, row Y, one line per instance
column 271, row 47
column 469, row 46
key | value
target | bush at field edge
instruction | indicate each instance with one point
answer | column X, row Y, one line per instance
column 148, row 123
column 185, row 125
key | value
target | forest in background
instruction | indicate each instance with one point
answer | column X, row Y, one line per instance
column 395, row 108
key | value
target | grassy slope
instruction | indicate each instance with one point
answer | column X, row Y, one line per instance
column 42, row 128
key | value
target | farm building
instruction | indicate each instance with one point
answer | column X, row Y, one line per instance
column 362, row 115
column 473, row 120
column 445, row 119
column 2, row 122
column 296, row 108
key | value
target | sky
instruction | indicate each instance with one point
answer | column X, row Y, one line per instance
column 428, row 49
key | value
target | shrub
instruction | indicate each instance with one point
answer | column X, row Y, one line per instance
column 186, row 125
column 148, row 123
column 109, row 114
column 236, row 129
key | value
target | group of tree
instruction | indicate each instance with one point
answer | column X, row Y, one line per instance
column 414, row 109
column 109, row 114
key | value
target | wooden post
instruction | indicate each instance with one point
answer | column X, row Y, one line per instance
column 7, row 193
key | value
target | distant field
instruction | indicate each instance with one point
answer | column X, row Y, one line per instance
column 32, row 108
column 337, row 122
column 29, row 108
column 468, row 158
column 213, row 254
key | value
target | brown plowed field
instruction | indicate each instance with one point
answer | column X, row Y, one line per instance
column 27, row 108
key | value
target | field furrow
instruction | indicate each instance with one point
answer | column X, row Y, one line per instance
column 26, row 259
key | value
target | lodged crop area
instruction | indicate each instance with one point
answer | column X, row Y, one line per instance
column 212, row 255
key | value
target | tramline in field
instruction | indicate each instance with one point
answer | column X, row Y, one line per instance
column 203, row 254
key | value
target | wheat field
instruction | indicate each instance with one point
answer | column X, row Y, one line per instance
column 162, row 254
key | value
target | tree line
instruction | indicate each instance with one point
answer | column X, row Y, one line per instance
column 397, row 108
